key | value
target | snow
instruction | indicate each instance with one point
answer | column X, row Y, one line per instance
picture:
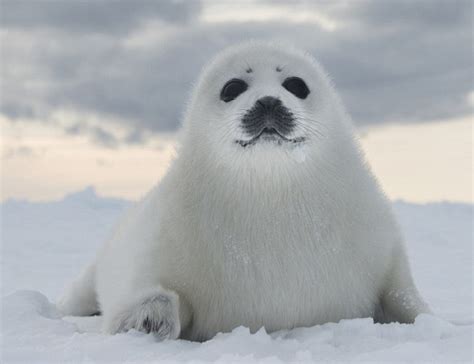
column 44, row 246
column 299, row 154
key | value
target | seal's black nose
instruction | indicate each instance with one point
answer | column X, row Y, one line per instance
column 269, row 103
column 268, row 112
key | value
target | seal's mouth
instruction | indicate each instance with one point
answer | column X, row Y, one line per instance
column 269, row 135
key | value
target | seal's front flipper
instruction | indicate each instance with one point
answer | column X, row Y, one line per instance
column 80, row 298
column 156, row 310
column 400, row 300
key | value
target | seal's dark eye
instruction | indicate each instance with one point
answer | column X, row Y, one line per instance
column 296, row 86
column 232, row 89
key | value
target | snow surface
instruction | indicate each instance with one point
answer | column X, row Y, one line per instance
column 44, row 246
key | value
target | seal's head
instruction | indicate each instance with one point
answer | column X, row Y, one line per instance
column 262, row 103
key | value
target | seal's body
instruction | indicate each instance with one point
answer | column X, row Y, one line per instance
column 268, row 217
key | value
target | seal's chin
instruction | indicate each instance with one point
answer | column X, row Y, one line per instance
column 267, row 135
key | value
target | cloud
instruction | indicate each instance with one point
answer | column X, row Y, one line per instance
column 21, row 151
column 98, row 134
column 89, row 16
column 392, row 61
column 407, row 13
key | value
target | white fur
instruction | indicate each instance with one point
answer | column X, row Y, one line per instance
column 278, row 236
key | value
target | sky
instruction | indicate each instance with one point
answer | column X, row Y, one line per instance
column 93, row 92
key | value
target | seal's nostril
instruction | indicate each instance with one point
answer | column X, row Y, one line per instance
column 269, row 130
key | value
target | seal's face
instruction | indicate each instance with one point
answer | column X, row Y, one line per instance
column 268, row 120
column 260, row 101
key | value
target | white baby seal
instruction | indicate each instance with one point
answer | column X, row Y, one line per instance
column 269, row 216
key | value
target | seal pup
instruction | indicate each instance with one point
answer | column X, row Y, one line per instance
column 268, row 217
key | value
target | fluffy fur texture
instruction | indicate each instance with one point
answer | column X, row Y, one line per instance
column 274, row 234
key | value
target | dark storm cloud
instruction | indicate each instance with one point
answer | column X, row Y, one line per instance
column 392, row 61
column 102, row 16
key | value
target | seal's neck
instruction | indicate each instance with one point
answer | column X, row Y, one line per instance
column 251, row 191
column 264, row 183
